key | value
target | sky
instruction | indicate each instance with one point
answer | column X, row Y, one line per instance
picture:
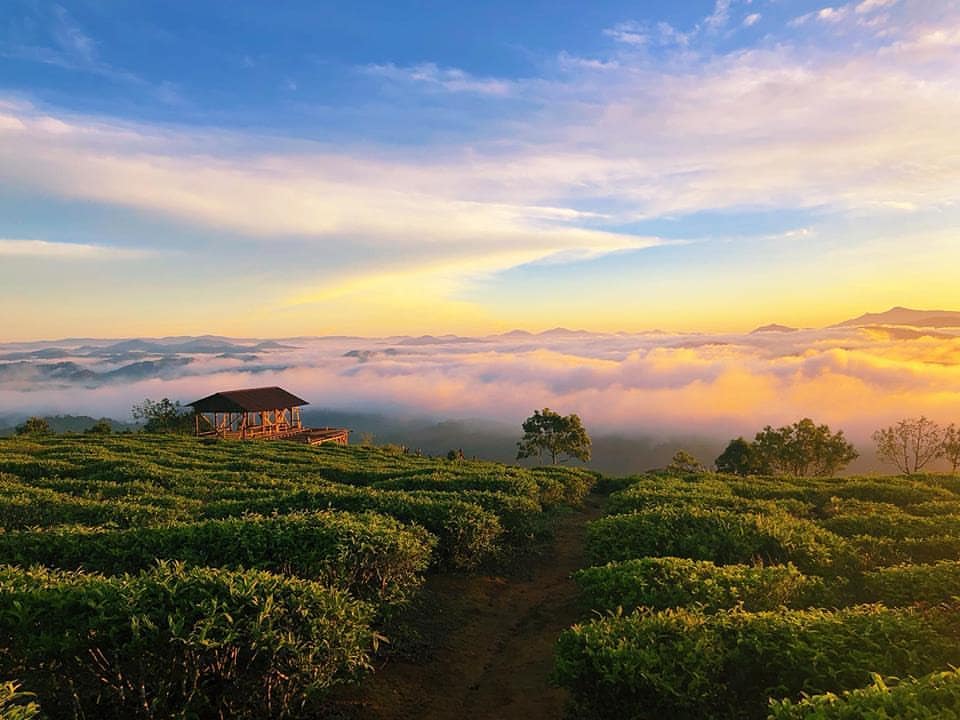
column 314, row 168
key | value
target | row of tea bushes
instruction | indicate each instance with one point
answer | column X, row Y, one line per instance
column 660, row 583
column 931, row 697
column 720, row 594
column 467, row 533
column 179, row 642
column 721, row 536
column 688, row 665
column 373, row 556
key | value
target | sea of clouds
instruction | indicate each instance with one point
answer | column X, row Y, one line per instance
column 654, row 384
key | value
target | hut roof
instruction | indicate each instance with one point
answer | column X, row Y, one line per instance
column 248, row 400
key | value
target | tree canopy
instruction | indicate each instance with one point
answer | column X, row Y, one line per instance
column 163, row 416
column 801, row 449
column 560, row 437
column 683, row 463
column 911, row 444
column 33, row 426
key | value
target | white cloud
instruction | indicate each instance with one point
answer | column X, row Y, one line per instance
column 867, row 6
column 10, row 247
column 450, row 79
column 629, row 33
column 751, row 19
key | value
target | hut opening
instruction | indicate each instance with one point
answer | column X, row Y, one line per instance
column 268, row 413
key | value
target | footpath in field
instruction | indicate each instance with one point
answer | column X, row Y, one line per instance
column 494, row 641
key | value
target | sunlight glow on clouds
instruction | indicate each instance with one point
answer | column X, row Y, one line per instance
column 844, row 115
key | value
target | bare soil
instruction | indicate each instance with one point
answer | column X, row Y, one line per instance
column 486, row 642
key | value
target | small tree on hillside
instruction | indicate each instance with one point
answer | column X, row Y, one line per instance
column 683, row 463
column 911, row 444
column 951, row 447
column 163, row 416
column 803, row 449
column 557, row 436
column 33, row 426
column 100, row 427
column 739, row 458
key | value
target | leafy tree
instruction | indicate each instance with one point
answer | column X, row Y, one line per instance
column 163, row 416
column 549, row 433
column 911, row 444
column 100, row 427
column 33, row 426
column 683, row 463
column 803, row 449
column 951, row 447
column 739, row 458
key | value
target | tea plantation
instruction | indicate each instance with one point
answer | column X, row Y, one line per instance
column 741, row 599
column 148, row 576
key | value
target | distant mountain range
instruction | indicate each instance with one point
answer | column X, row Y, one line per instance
column 906, row 316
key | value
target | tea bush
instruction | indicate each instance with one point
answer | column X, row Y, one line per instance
column 374, row 556
column 721, row 536
column 466, row 532
column 662, row 583
column 687, row 665
column 179, row 642
column 932, row 697
column 16, row 704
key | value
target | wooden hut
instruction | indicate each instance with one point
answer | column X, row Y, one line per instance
column 268, row 413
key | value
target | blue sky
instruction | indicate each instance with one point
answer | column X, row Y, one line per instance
column 432, row 167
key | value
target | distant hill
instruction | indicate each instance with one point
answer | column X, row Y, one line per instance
column 906, row 316
column 773, row 328
column 64, row 423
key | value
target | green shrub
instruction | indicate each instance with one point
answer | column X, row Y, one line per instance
column 932, row 697
column 882, row 551
column 15, row 704
column 721, row 536
column 688, row 665
column 661, row 583
column 907, row 584
column 466, row 532
column 38, row 507
column 892, row 524
column 178, row 642
column 373, row 556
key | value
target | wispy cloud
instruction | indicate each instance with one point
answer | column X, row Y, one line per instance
column 47, row 250
column 448, row 79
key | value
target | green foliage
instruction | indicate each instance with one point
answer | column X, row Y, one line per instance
column 373, row 556
column 683, row 463
column 163, row 416
column 668, row 582
column 16, row 704
column 908, row 584
column 739, row 458
column 467, row 533
column 33, row 426
column 803, row 448
column 932, row 697
column 178, row 642
column 687, row 665
column 721, row 536
column 100, row 427
column 558, row 436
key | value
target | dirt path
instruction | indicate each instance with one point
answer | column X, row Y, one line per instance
column 493, row 642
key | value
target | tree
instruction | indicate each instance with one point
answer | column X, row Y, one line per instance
column 683, row 463
column 163, row 416
column 911, row 444
column 33, row 426
column 549, row 433
column 100, row 427
column 951, row 447
column 803, row 449
column 739, row 458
